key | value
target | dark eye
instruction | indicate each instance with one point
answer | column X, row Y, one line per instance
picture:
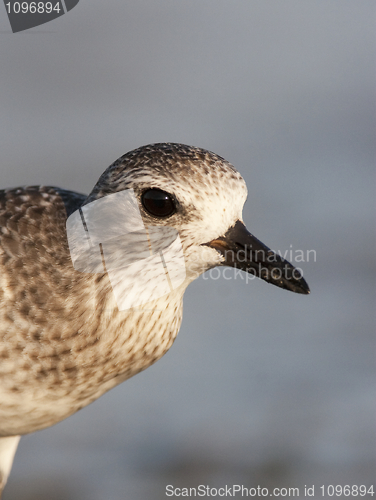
column 158, row 203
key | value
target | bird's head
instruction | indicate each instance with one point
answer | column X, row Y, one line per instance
column 200, row 196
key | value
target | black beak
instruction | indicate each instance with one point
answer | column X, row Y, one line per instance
column 243, row 251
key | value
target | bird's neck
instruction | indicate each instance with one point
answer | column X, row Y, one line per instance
column 123, row 343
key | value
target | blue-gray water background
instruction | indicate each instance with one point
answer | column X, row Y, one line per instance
column 262, row 386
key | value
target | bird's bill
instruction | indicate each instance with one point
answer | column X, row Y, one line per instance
column 243, row 251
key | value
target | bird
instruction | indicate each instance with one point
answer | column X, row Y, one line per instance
column 67, row 332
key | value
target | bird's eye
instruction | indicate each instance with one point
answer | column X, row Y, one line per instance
column 158, row 203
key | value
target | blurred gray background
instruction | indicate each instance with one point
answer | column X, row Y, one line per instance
column 262, row 386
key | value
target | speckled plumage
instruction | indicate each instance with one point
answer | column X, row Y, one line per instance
column 63, row 342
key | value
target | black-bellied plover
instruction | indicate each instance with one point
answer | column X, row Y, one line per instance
column 68, row 332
